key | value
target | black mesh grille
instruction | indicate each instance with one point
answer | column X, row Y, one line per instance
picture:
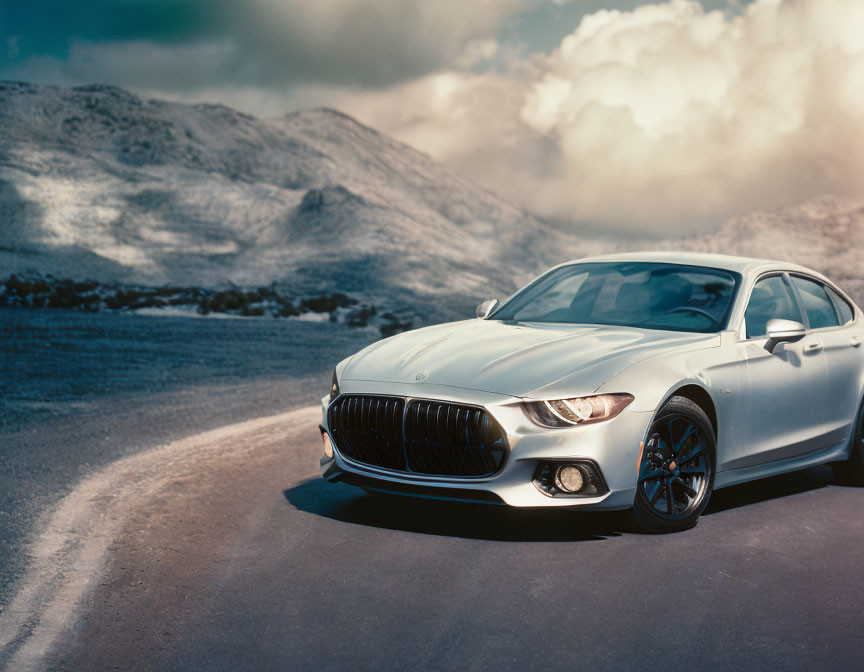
column 432, row 437
column 447, row 439
column 369, row 429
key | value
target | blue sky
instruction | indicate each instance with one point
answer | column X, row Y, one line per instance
column 543, row 26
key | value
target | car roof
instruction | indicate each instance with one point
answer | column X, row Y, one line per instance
column 746, row 266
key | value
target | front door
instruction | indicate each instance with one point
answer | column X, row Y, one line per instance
column 783, row 393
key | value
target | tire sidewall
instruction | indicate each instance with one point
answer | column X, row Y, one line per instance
column 855, row 455
column 644, row 516
column 851, row 471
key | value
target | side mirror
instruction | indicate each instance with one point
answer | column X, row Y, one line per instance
column 783, row 331
column 485, row 309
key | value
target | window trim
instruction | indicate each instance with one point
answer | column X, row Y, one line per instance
column 836, row 297
column 787, row 275
column 804, row 276
column 769, row 274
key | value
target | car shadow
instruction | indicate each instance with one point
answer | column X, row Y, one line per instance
column 775, row 487
column 348, row 504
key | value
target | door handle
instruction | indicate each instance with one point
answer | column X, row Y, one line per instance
column 816, row 346
column 855, row 341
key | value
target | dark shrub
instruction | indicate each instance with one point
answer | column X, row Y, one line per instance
column 269, row 293
column 84, row 287
column 224, row 302
column 123, row 299
column 360, row 316
column 41, row 287
column 64, row 296
column 253, row 311
column 327, row 303
column 288, row 309
column 90, row 303
column 18, row 287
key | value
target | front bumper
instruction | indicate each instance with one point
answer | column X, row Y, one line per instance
column 613, row 446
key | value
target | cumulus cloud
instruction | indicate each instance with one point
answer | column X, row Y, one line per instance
column 663, row 118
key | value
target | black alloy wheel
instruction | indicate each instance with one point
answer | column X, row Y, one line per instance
column 676, row 469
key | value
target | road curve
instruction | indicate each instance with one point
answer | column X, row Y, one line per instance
column 75, row 539
column 225, row 551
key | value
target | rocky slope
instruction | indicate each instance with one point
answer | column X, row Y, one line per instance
column 98, row 183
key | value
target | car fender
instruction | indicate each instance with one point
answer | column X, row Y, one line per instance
column 654, row 380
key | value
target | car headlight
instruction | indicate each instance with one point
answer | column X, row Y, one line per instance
column 577, row 411
column 334, row 386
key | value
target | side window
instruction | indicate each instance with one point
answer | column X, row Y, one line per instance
column 844, row 310
column 819, row 308
column 771, row 298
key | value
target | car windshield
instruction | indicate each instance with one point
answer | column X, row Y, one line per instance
column 634, row 294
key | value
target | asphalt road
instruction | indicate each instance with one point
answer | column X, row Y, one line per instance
column 241, row 558
column 224, row 550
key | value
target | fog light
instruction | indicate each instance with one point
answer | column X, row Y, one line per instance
column 569, row 478
column 328, row 445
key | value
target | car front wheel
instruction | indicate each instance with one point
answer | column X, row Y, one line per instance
column 676, row 469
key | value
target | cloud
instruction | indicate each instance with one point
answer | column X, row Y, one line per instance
column 146, row 64
column 258, row 42
column 663, row 118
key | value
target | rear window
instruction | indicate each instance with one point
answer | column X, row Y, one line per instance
column 818, row 306
column 844, row 310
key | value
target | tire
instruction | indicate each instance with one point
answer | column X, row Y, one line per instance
column 851, row 471
column 676, row 469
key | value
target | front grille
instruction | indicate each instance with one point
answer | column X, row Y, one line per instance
column 426, row 437
column 451, row 440
column 369, row 429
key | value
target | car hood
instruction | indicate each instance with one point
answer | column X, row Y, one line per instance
column 513, row 358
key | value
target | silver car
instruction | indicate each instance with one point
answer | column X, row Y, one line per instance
column 631, row 381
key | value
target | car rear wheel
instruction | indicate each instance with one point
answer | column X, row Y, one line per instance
column 676, row 469
column 851, row 471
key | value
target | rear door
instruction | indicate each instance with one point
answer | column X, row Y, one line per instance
column 783, row 404
column 831, row 320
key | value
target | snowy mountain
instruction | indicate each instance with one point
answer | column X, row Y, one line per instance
column 98, row 183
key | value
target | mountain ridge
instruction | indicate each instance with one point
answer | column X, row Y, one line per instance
column 99, row 183
column 97, row 179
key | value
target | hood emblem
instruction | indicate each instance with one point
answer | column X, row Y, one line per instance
column 421, row 376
